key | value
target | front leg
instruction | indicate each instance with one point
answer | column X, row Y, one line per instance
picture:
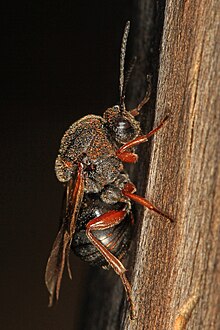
column 130, row 157
column 105, row 221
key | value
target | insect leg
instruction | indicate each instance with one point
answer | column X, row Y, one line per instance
column 143, row 201
column 135, row 112
column 127, row 157
column 107, row 220
column 139, row 140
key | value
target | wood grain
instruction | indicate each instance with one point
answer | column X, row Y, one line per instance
column 174, row 262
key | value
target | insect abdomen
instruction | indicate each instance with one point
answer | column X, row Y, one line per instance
column 116, row 239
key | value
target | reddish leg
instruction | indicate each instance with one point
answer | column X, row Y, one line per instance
column 135, row 111
column 107, row 220
column 127, row 157
column 128, row 191
column 138, row 140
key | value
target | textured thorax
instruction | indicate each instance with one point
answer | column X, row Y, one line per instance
column 87, row 135
column 87, row 141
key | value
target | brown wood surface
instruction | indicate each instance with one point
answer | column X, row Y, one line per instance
column 175, row 268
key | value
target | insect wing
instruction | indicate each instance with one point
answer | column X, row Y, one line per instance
column 62, row 244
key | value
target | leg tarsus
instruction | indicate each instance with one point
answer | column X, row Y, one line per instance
column 127, row 287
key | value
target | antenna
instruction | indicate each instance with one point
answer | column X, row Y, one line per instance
column 122, row 65
column 128, row 73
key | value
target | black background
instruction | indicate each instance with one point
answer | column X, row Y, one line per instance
column 59, row 61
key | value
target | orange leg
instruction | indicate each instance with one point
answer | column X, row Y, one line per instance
column 139, row 140
column 108, row 220
column 130, row 157
column 128, row 191
column 127, row 157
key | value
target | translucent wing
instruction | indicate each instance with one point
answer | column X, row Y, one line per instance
column 61, row 247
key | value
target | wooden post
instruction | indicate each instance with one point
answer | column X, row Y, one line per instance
column 175, row 269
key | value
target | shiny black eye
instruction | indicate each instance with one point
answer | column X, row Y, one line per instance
column 123, row 129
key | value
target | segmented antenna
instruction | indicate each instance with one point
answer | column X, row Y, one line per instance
column 122, row 64
column 128, row 73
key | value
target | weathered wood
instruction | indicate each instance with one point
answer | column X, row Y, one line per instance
column 175, row 272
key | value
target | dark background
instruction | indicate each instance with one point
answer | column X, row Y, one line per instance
column 59, row 61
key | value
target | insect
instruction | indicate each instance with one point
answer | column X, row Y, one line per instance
column 97, row 215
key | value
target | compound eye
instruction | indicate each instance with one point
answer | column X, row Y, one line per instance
column 123, row 129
